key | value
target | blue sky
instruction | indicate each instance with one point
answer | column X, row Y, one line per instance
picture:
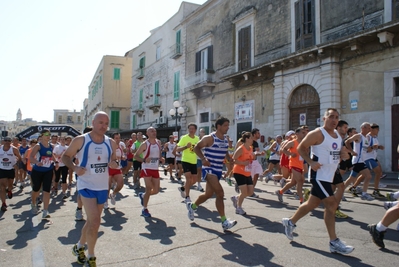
column 50, row 50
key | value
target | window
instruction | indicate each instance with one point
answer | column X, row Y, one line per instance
column 178, row 42
column 133, row 121
column 79, row 119
column 244, row 48
column 158, row 53
column 395, row 9
column 204, row 59
column 304, row 24
column 141, row 99
column 156, row 93
column 114, row 119
column 141, row 66
column 117, row 74
column 176, row 88
column 59, row 118
column 396, row 86
column 69, row 119
column 100, row 84
column 204, row 117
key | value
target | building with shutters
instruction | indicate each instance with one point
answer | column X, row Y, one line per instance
column 276, row 65
column 110, row 91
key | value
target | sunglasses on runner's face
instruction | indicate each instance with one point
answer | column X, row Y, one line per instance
column 46, row 134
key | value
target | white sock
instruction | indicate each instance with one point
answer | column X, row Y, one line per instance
column 396, row 195
column 90, row 256
column 381, row 228
column 79, row 245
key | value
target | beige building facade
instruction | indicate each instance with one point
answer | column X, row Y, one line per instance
column 110, row 91
column 72, row 118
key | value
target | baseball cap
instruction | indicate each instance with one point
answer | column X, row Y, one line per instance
column 279, row 136
column 289, row 133
column 7, row 138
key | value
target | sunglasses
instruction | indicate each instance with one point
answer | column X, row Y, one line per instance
column 46, row 134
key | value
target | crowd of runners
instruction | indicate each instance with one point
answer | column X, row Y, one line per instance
column 101, row 165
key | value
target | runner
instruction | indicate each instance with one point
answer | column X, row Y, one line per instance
column 199, row 163
column 115, row 174
column 95, row 152
column 43, row 162
column 129, row 156
column 295, row 165
column 243, row 158
column 152, row 151
column 22, row 163
column 68, row 140
column 62, row 171
column 179, row 170
column 189, row 160
column 274, row 159
column 325, row 144
column 136, row 163
column 9, row 155
column 170, row 157
column 215, row 150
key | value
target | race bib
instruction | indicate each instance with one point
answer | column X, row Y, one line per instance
column 5, row 163
column 334, row 157
column 154, row 162
column 98, row 168
column 46, row 161
column 248, row 168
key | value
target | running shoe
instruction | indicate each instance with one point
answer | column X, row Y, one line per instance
column 377, row 194
column 390, row 197
column 79, row 215
column 378, row 237
column 288, row 192
column 172, row 179
column 181, row 190
column 255, row 195
column 240, row 211
column 353, row 191
column 80, row 253
column 179, row 181
column 9, row 194
column 289, row 229
column 145, row 213
column 283, row 181
column 279, row 195
column 64, row 197
column 359, row 189
column 190, row 211
column 383, row 176
column 337, row 246
column 106, row 207
column 199, row 188
column 269, row 177
column 91, row 262
column 236, row 188
column 112, row 197
column 381, row 185
column 367, row 197
column 34, row 209
column 45, row 214
column 340, row 215
column 228, row 224
column 187, row 200
column 306, row 194
column 141, row 196
column 234, row 200
column 388, row 205
column 344, row 198
column 4, row 207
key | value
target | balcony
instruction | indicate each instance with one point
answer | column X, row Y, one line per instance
column 154, row 107
column 139, row 111
column 140, row 73
column 176, row 50
column 201, row 83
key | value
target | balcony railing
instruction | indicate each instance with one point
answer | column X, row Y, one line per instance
column 200, row 77
column 176, row 50
column 140, row 73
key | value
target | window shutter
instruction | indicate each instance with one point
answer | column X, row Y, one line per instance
column 298, row 32
column 141, row 99
column 395, row 9
column 240, row 48
column 198, row 61
column 245, row 48
column 210, row 57
column 156, row 92
column 178, row 40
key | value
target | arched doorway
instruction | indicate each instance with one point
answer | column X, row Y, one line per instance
column 304, row 107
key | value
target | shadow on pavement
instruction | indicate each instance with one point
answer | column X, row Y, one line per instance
column 158, row 230
column 259, row 256
column 114, row 218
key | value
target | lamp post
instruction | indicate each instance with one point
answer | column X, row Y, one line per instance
column 176, row 113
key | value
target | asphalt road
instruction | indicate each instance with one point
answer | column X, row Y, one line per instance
column 168, row 238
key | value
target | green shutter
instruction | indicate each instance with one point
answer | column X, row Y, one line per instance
column 117, row 73
column 133, row 121
column 142, row 63
column 176, row 88
column 141, row 99
column 178, row 45
column 156, row 92
column 115, row 119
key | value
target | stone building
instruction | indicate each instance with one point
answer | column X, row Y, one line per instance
column 276, row 65
column 69, row 117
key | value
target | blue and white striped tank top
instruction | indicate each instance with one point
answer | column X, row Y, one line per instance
column 216, row 153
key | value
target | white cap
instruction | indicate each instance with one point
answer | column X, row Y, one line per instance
column 289, row 133
column 144, row 137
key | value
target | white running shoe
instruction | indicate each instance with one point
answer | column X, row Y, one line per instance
column 228, row 224
column 240, row 211
column 199, row 188
column 106, row 205
column 234, row 200
column 289, row 229
column 190, row 211
column 112, row 197
column 367, row 197
column 337, row 246
column 45, row 214
column 181, row 190
column 78, row 215
column 187, row 200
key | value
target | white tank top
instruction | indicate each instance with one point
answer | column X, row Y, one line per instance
column 360, row 148
column 153, row 152
column 274, row 155
column 95, row 158
column 7, row 158
column 328, row 155
column 169, row 153
column 372, row 141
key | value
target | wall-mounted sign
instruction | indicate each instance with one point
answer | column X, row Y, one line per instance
column 244, row 111
column 354, row 104
column 302, row 119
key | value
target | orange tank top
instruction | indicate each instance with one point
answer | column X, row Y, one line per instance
column 246, row 155
column 27, row 153
column 298, row 160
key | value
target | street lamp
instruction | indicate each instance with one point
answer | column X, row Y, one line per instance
column 176, row 113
